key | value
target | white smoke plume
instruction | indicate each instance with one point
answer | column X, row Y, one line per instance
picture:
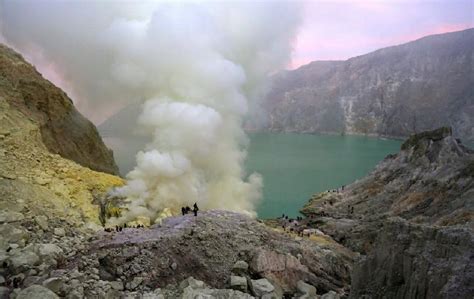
column 200, row 66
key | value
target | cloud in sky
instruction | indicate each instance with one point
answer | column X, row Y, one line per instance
column 340, row 29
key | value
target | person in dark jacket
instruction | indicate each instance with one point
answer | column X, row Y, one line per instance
column 195, row 209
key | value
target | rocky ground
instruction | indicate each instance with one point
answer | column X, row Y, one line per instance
column 230, row 255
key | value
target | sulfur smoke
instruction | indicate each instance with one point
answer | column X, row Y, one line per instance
column 199, row 66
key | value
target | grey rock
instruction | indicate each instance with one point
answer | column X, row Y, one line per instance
column 117, row 285
column 42, row 222
column 305, row 289
column 59, row 231
column 261, row 287
column 156, row 294
column 330, row 295
column 31, row 280
column 36, row 291
column 24, row 258
column 55, row 284
column 240, row 267
column 76, row 293
column 49, row 250
column 192, row 283
column 10, row 233
column 10, row 216
column 238, row 283
column 271, row 295
column 136, row 281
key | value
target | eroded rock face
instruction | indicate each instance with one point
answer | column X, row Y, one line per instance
column 63, row 129
column 395, row 91
column 413, row 218
column 417, row 261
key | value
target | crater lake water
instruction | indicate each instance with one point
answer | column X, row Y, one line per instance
column 295, row 166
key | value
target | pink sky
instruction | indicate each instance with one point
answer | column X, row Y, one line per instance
column 332, row 30
column 340, row 29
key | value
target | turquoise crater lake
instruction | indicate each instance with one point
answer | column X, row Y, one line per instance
column 294, row 166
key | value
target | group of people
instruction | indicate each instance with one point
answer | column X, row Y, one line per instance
column 297, row 226
column 187, row 209
column 119, row 228
column 337, row 190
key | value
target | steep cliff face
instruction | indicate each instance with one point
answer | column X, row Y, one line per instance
column 63, row 129
column 42, row 137
column 395, row 91
column 413, row 218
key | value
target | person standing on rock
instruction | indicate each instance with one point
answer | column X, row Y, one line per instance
column 195, row 209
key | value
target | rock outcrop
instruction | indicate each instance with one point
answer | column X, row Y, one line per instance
column 214, row 247
column 413, row 218
column 395, row 91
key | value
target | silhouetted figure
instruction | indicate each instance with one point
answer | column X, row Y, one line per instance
column 286, row 217
column 183, row 211
column 124, row 225
column 352, row 210
column 195, row 209
column 116, row 228
column 188, row 209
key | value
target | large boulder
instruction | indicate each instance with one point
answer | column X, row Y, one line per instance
column 24, row 259
column 306, row 289
column 238, row 283
column 260, row 287
column 49, row 251
column 37, row 292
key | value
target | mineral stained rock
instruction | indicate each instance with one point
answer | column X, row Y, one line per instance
column 62, row 129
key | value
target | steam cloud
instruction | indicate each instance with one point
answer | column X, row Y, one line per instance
column 200, row 67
